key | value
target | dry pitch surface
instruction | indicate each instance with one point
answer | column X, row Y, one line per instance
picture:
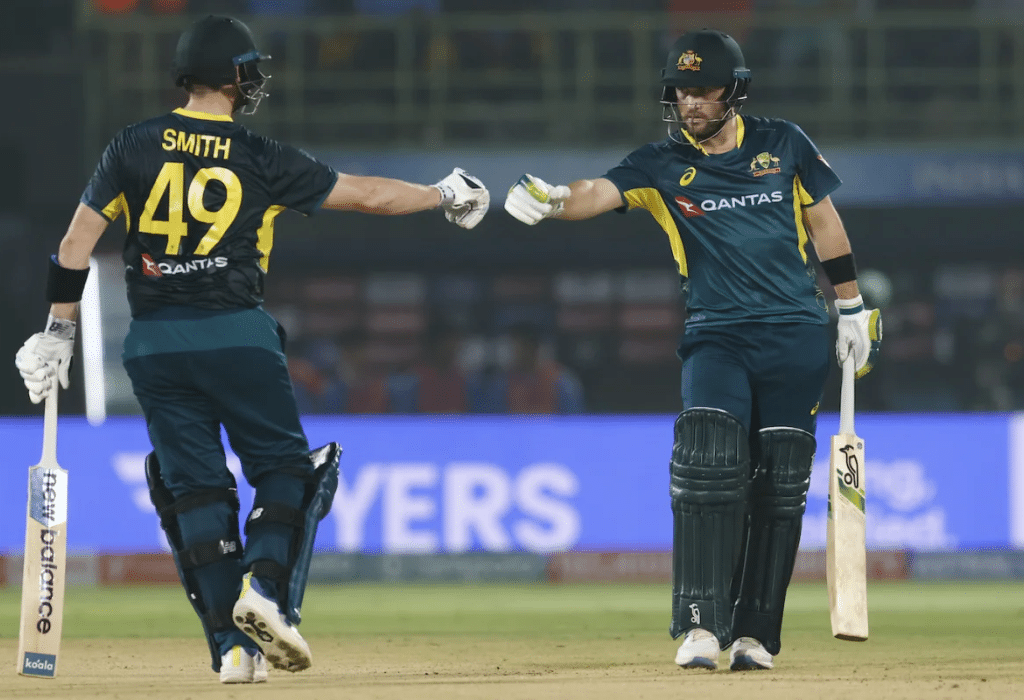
column 567, row 642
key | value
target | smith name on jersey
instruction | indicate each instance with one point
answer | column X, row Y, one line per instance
column 735, row 220
column 200, row 194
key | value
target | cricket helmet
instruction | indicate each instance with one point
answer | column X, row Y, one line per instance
column 217, row 51
column 704, row 58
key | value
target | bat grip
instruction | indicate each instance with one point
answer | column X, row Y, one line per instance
column 846, row 402
column 50, row 428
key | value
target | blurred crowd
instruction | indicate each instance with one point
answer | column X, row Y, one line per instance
column 796, row 45
column 343, row 375
column 953, row 341
column 804, row 51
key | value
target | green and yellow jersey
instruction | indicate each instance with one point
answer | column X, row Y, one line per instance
column 200, row 194
column 735, row 220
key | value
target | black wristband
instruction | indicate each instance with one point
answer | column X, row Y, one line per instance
column 841, row 269
column 64, row 285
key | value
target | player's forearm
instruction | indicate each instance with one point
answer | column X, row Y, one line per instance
column 73, row 255
column 83, row 234
column 847, row 290
column 67, row 278
column 65, row 311
column 380, row 195
column 589, row 198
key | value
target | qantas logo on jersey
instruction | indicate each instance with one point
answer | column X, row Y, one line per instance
column 688, row 208
column 747, row 200
column 151, row 268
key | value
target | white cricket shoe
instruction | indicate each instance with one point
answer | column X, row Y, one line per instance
column 238, row 666
column 748, row 654
column 699, row 649
column 258, row 616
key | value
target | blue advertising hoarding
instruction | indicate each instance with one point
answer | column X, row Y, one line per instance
column 542, row 484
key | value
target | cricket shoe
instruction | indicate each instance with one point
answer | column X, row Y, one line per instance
column 259, row 617
column 699, row 649
column 748, row 654
column 240, row 665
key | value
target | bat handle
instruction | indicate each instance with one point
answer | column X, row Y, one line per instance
column 50, row 428
column 846, row 402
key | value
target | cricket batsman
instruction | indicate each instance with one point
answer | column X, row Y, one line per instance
column 739, row 198
column 200, row 194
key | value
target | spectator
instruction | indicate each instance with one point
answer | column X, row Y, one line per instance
column 376, row 49
column 339, row 378
column 362, row 388
column 733, row 17
column 315, row 379
column 437, row 384
column 531, row 383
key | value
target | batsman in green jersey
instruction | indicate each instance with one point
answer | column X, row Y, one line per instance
column 739, row 198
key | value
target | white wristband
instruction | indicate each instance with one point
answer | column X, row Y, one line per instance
column 60, row 328
column 846, row 307
column 447, row 194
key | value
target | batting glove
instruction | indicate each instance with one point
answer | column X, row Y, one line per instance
column 858, row 335
column 531, row 199
column 463, row 198
column 45, row 358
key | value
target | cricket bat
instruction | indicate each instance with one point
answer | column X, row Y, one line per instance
column 42, row 587
column 845, row 554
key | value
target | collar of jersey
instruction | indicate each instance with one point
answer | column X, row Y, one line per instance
column 203, row 115
column 740, row 132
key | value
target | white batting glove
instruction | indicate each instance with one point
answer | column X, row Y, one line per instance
column 464, row 198
column 531, row 199
column 858, row 334
column 45, row 358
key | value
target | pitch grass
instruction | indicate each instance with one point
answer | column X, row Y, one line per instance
column 992, row 614
column 900, row 612
column 447, row 642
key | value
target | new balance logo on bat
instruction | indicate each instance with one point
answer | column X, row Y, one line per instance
column 48, row 503
column 47, row 574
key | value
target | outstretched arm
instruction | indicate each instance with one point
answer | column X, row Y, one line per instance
column 590, row 198
column 381, row 195
column 463, row 197
column 532, row 200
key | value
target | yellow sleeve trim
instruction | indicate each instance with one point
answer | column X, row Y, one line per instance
column 800, row 199
column 650, row 199
column 265, row 234
column 113, row 210
column 799, row 192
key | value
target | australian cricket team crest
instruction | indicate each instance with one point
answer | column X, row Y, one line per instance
column 689, row 61
column 764, row 164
